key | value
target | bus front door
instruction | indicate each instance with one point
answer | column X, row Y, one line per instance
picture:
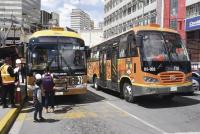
column 102, row 69
column 114, row 72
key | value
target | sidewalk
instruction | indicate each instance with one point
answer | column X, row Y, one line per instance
column 8, row 115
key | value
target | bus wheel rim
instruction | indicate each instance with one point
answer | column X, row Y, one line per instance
column 128, row 91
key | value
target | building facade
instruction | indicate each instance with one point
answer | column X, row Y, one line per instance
column 121, row 15
column 193, row 31
column 19, row 14
column 55, row 18
column 49, row 19
column 45, row 17
column 92, row 37
column 81, row 20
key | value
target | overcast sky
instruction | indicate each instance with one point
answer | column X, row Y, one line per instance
column 93, row 7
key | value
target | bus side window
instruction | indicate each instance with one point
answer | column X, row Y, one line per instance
column 123, row 48
column 132, row 46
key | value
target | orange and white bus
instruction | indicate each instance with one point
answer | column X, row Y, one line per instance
column 146, row 60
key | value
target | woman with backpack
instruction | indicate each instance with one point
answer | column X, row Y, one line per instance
column 48, row 84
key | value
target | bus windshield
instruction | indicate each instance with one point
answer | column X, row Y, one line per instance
column 164, row 46
column 64, row 57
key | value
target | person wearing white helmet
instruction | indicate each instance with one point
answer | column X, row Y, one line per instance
column 8, row 82
column 37, row 98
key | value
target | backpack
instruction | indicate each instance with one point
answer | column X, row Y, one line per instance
column 47, row 82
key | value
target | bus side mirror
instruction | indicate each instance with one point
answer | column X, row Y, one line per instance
column 139, row 40
column 88, row 51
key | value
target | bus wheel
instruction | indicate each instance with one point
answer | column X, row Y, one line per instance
column 95, row 85
column 128, row 92
column 168, row 97
column 95, row 82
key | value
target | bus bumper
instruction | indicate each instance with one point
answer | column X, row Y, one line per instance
column 153, row 90
column 72, row 91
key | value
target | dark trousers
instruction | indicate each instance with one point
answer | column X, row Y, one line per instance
column 8, row 89
column 49, row 99
column 38, row 109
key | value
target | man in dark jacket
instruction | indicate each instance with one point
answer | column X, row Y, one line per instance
column 8, row 82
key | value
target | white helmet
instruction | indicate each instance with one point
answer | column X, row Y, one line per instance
column 38, row 76
column 18, row 61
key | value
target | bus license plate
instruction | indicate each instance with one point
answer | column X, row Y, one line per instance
column 173, row 89
column 59, row 93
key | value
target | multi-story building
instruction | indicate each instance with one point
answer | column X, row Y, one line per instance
column 49, row 19
column 92, row 37
column 19, row 13
column 193, row 31
column 45, row 17
column 55, row 18
column 121, row 15
column 81, row 20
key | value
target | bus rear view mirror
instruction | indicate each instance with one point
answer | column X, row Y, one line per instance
column 88, row 51
column 139, row 40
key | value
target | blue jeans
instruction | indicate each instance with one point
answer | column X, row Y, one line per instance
column 49, row 99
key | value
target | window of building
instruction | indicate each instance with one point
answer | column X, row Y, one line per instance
column 153, row 16
column 173, row 7
column 193, row 10
column 146, row 2
column 173, row 24
column 129, row 8
column 134, row 7
column 124, row 11
column 120, row 13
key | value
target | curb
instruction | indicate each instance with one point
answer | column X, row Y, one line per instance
column 8, row 119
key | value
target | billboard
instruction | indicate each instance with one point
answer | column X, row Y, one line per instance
column 192, row 23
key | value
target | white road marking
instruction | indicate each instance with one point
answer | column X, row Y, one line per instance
column 185, row 133
column 139, row 119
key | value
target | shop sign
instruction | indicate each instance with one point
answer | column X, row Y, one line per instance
column 193, row 23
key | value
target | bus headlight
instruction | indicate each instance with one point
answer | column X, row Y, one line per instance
column 150, row 79
column 189, row 78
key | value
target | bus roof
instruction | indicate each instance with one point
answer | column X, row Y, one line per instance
column 149, row 27
column 55, row 32
column 152, row 27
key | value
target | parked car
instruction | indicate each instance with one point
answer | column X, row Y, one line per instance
column 196, row 80
column 195, row 85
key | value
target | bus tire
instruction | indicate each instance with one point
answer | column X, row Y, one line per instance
column 128, row 92
column 95, row 85
column 95, row 82
column 168, row 97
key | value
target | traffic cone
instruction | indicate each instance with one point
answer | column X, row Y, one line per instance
column 18, row 95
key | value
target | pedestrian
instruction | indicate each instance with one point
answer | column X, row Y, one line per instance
column 37, row 98
column 47, row 85
column 8, row 82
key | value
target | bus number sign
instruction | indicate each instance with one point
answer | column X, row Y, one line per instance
column 151, row 69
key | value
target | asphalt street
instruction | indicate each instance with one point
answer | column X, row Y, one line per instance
column 103, row 112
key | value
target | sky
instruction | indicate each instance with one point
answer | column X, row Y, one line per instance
column 64, row 7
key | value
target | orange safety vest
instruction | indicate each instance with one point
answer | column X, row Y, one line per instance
column 6, row 78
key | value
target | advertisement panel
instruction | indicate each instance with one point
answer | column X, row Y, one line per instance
column 192, row 23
